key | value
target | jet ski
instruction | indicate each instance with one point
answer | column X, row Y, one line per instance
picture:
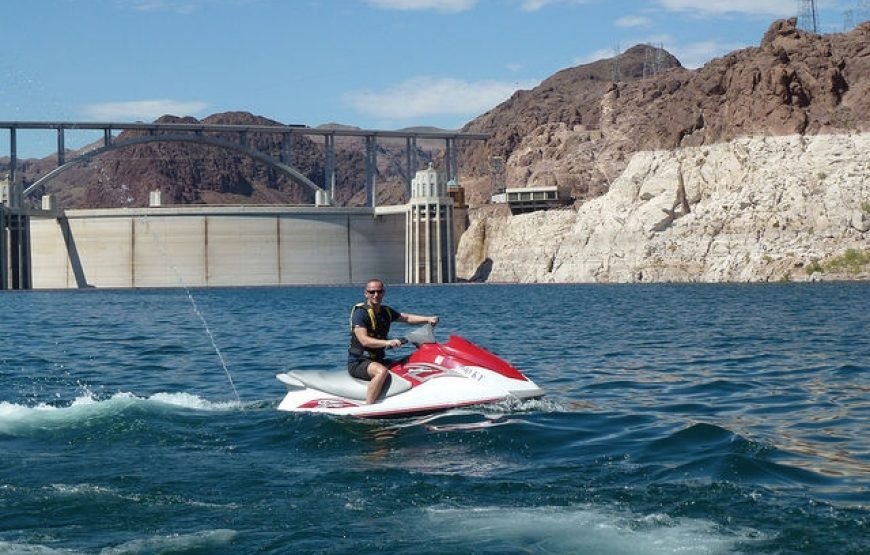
column 434, row 378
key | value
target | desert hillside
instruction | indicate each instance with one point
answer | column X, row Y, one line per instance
column 751, row 168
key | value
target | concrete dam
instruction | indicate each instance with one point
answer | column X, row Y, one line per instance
column 216, row 246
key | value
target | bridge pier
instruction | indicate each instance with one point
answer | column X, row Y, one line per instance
column 329, row 181
column 371, row 171
column 411, row 162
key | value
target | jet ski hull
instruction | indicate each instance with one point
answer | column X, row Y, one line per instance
column 435, row 378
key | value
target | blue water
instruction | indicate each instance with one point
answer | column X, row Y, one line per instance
column 683, row 419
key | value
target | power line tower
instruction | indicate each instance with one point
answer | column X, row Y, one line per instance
column 653, row 60
column 615, row 72
column 809, row 17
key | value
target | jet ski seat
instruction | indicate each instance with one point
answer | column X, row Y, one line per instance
column 345, row 385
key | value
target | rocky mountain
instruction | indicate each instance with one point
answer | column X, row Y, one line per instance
column 569, row 99
column 579, row 129
column 752, row 167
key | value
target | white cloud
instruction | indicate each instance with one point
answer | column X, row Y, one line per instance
column 181, row 7
column 428, row 96
column 633, row 21
column 142, row 110
column 776, row 8
column 535, row 5
column 415, row 5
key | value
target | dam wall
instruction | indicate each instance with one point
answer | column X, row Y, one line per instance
column 215, row 246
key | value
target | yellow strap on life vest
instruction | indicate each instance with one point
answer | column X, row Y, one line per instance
column 370, row 311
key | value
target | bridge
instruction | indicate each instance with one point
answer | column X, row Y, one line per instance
column 203, row 133
column 15, row 215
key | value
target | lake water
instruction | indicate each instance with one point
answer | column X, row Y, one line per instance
column 685, row 419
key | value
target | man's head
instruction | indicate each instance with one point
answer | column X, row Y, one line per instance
column 375, row 291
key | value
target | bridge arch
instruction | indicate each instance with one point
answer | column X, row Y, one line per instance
column 286, row 169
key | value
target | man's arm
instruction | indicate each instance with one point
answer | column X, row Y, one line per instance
column 369, row 342
column 418, row 319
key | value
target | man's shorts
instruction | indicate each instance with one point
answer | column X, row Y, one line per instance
column 359, row 369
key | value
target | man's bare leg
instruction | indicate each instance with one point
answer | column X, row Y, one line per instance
column 378, row 373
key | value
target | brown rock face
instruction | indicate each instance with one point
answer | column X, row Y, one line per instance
column 578, row 129
column 571, row 96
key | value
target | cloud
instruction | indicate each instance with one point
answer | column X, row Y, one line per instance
column 632, row 21
column 451, row 6
column 777, row 8
column 142, row 110
column 181, row 7
column 421, row 97
column 535, row 5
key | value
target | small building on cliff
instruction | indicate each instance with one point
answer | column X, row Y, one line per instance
column 529, row 199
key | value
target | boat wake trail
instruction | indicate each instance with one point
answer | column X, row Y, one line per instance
column 19, row 420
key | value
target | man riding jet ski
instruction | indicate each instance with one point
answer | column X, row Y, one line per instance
column 369, row 328
column 436, row 377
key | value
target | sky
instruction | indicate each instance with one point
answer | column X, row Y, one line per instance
column 375, row 64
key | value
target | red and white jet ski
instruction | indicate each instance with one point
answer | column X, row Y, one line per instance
column 436, row 377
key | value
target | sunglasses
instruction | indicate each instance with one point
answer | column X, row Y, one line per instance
column 375, row 291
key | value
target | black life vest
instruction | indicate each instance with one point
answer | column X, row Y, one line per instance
column 377, row 325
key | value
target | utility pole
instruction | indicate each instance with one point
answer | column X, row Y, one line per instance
column 809, row 17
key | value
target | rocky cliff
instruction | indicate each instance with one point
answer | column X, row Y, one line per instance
column 750, row 168
column 752, row 209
